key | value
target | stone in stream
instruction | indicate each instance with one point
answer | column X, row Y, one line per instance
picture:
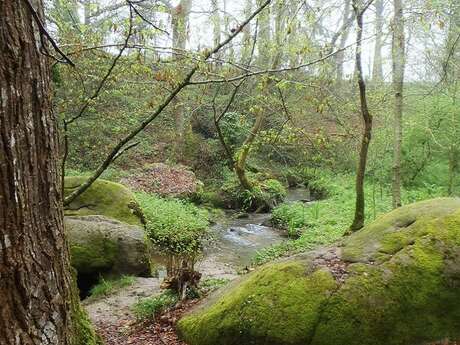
column 395, row 282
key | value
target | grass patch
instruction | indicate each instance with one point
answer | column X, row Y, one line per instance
column 148, row 308
column 325, row 221
column 108, row 287
column 211, row 284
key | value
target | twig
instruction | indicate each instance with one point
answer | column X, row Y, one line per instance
column 270, row 71
column 43, row 31
column 107, row 75
column 131, row 4
column 126, row 148
column 185, row 82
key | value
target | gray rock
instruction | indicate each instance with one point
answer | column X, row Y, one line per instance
column 100, row 245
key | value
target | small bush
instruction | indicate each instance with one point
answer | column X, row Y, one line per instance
column 107, row 287
column 177, row 229
column 148, row 308
column 319, row 182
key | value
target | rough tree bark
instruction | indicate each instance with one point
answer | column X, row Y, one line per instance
column 358, row 221
column 398, row 54
column 37, row 297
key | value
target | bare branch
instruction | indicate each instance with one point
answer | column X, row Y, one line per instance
column 43, row 32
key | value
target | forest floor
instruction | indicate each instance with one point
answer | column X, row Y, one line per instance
column 115, row 322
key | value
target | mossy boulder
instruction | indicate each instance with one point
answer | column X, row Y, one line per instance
column 395, row 282
column 103, row 246
column 104, row 198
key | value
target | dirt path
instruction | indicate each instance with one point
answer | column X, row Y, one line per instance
column 114, row 319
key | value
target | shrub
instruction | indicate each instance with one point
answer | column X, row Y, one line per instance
column 265, row 194
column 148, row 308
column 320, row 182
column 291, row 217
column 177, row 229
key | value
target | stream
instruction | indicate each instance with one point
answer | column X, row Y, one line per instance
column 237, row 240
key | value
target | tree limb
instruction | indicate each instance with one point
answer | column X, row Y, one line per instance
column 185, row 82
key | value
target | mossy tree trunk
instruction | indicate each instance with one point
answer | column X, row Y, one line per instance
column 242, row 156
column 37, row 296
column 358, row 221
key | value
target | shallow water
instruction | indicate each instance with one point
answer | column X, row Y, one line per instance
column 236, row 241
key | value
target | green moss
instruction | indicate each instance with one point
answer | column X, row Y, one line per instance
column 277, row 305
column 105, row 198
column 395, row 230
column 401, row 288
column 83, row 332
column 93, row 256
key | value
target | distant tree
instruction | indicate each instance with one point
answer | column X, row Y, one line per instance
column 398, row 54
column 358, row 221
column 377, row 69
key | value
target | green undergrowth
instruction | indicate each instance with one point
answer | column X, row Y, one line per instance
column 211, row 284
column 324, row 221
column 149, row 307
column 106, row 287
column 175, row 227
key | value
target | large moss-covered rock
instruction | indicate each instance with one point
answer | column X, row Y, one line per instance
column 99, row 245
column 105, row 198
column 396, row 282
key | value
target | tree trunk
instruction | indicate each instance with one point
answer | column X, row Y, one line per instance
column 180, row 23
column 240, row 164
column 377, row 71
column 358, row 221
column 39, row 302
column 246, row 41
column 453, row 165
column 279, row 34
column 263, row 37
column 292, row 32
column 398, row 53
column 216, row 26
